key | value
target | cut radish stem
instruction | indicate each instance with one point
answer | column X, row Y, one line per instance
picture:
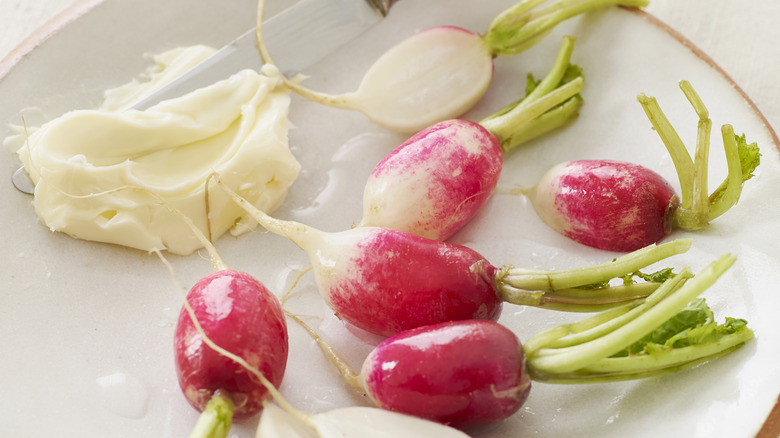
column 240, row 314
column 436, row 181
column 669, row 330
column 620, row 206
column 385, row 281
column 471, row 373
column 440, row 73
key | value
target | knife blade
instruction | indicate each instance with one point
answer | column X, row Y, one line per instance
column 296, row 38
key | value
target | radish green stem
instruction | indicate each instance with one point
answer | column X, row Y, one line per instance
column 519, row 28
column 588, row 330
column 701, row 159
column 647, row 365
column 674, row 144
column 582, row 300
column 538, row 280
column 550, row 104
column 551, row 337
column 215, row 420
column 697, row 207
column 729, row 191
column 581, row 352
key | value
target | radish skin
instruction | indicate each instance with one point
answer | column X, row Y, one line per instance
column 240, row 314
column 435, row 182
column 440, row 73
column 605, row 204
column 460, row 373
column 464, row 374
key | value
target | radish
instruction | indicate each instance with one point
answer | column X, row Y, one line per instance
column 461, row 373
column 474, row 372
column 385, row 281
column 440, row 73
column 241, row 315
column 620, row 206
column 436, row 181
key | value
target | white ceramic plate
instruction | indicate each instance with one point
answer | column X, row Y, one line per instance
column 86, row 328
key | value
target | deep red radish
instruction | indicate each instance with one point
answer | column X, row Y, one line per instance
column 242, row 316
column 436, row 181
column 620, row 206
column 440, row 73
column 464, row 373
column 385, row 280
column 475, row 372
column 460, row 373
column 235, row 313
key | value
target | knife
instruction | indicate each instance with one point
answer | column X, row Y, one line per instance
column 296, row 38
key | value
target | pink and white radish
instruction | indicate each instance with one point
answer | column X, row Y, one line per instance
column 385, row 281
column 436, row 181
column 440, row 73
column 474, row 372
column 620, row 206
column 238, row 313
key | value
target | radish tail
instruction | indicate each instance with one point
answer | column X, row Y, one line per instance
column 216, row 261
column 298, row 233
column 344, row 369
column 343, row 101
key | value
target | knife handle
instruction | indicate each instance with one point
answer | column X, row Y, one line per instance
column 383, row 6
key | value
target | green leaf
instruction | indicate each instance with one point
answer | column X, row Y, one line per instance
column 749, row 157
column 693, row 325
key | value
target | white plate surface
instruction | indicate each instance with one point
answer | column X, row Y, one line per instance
column 86, row 328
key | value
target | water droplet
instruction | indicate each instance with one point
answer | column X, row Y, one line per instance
column 123, row 394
